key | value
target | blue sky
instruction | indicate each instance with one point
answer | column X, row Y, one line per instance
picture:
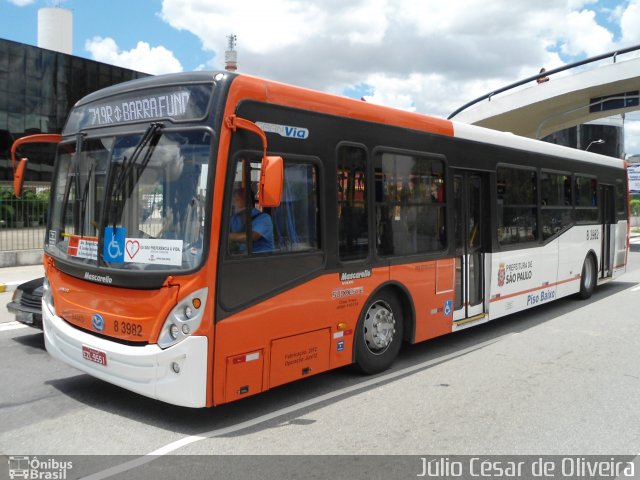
column 127, row 22
column 424, row 55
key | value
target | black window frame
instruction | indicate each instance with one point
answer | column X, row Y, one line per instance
column 555, row 207
column 234, row 158
column 535, row 206
column 578, row 209
column 622, row 199
column 443, row 205
column 367, row 204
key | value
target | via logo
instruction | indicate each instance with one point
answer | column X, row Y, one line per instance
column 98, row 322
column 288, row 131
column 295, row 132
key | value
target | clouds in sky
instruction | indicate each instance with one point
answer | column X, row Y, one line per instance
column 630, row 23
column 143, row 57
column 424, row 55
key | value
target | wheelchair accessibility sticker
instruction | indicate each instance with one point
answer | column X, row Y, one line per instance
column 448, row 307
column 120, row 249
column 113, row 250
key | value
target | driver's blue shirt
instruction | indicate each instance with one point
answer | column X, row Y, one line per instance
column 260, row 223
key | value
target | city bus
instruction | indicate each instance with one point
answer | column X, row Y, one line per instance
column 214, row 235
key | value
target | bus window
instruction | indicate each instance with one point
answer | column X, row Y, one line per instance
column 295, row 221
column 353, row 227
column 621, row 199
column 517, row 205
column 586, row 190
column 247, row 222
column 557, row 212
column 410, row 212
column 291, row 227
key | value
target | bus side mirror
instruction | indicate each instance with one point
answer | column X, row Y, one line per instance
column 271, row 180
column 18, row 176
column 19, row 169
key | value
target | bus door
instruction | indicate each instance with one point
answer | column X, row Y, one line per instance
column 470, row 202
column 608, row 218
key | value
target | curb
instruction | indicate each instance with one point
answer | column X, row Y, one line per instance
column 8, row 287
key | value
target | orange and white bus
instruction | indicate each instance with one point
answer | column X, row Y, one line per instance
column 214, row 235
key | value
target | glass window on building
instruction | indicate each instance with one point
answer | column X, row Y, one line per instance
column 38, row 87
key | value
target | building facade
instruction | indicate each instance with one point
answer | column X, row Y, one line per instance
column 38, row 87
column 604, row 136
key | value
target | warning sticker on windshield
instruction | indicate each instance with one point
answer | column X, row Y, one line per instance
column 151, row 250
column 83, row 247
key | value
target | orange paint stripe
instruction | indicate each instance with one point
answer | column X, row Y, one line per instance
column 523, row 292
column 245, row 86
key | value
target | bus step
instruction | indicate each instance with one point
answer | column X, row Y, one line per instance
column 471, row 319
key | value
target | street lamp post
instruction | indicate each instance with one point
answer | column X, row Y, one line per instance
column 599, row 141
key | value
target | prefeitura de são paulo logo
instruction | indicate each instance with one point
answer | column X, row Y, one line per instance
column 501, row 275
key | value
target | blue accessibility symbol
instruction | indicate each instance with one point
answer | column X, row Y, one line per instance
column 98, row 322
column 113, row 249
column 448, row 307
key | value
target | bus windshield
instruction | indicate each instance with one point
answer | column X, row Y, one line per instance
column 133, row 201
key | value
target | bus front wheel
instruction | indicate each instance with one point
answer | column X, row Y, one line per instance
column 588, row 278
column 379, row 334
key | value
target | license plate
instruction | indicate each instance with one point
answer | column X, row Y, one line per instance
column 94, row 355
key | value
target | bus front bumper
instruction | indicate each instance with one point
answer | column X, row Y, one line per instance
column 146, row 370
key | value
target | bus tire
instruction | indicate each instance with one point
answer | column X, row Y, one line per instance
column 588, row 278
column 379, row 334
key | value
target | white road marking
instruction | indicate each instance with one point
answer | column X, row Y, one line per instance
column 635, row 289
column 173, row 446
column 15, row 325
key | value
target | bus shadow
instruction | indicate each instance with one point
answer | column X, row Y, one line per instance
column 33, row 340
column 286, row 404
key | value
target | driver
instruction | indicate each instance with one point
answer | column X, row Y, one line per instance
column 261, row 224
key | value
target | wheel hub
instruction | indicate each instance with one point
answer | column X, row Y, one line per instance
column 379, row 327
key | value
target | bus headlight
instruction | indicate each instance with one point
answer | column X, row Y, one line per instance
column 184, row 319
column 47, row 296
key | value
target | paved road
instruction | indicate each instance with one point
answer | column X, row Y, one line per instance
column 559, row 379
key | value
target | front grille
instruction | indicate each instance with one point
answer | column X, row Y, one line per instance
column 31, row 301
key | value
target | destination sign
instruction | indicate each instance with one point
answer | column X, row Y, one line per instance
column 177, row 103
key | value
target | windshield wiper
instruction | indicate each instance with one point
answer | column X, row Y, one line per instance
column 83, row 200
column 129, row 163
column 76, row 171
column 150, row 138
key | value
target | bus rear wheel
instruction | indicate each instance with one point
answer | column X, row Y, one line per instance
column 588, row 278
column 379, row 334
